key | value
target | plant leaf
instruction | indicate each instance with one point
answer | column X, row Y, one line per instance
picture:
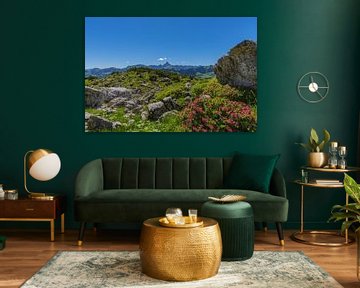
column 346, row 225
column 350, row 207
column 321, row 146
column 326, row 136
column 306, row 146
column 312, row 144
column 352, row 188
column 337, row 216
column 314, row 136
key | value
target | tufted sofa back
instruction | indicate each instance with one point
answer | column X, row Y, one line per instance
column 164, row 173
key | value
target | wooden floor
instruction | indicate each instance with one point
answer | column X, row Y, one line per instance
column 28, row 250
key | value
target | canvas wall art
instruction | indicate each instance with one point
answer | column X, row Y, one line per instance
column 170, row 74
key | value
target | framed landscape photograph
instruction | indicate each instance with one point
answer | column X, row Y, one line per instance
column 170, row 74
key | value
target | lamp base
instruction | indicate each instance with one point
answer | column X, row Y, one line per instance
column 41, row 196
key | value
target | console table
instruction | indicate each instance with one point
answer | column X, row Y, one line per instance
column 27, row 209
column 297, row 235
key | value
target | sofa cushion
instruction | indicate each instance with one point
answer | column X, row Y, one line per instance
column 251, row 172
column 266, row 207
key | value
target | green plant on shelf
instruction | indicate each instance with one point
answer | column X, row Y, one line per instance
column 314, row 144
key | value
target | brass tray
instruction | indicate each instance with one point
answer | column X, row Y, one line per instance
column 228, row 198
column 165, row 222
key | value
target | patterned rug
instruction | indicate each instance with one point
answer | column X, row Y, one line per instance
column 122, row 269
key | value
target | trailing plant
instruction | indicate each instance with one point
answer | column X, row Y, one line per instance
column 349, row 214
column 314, row 144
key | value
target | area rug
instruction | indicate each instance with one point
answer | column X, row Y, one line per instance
column 80, row 269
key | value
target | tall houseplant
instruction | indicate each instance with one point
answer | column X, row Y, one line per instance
column 317, row 157
column 350, row 214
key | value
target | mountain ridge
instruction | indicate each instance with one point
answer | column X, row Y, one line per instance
column 190, row 70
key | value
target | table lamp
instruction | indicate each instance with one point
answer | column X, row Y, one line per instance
column 43, row 165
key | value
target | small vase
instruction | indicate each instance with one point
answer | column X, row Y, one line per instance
column 317, row 159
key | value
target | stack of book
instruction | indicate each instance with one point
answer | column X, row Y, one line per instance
column 327, row 181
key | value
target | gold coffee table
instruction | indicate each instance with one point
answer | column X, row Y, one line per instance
column 180, row 254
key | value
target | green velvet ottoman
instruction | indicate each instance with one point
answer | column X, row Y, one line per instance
column 236, row 221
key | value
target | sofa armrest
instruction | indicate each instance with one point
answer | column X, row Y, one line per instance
column 89, row 179
column 277, row 184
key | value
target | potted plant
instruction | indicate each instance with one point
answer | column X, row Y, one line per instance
column 317, row 157
column 350, row 214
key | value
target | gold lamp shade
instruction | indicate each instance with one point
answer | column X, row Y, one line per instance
column 43, row 165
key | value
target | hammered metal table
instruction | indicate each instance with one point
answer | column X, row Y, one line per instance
column 180, row 254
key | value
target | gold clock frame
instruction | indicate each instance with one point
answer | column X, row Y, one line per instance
column 304, row 86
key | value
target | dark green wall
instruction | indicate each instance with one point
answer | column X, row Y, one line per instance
column 42, row 68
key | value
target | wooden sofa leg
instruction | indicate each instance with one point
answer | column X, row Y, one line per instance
column 265, row 227
column 81, row 233
column 280, row 233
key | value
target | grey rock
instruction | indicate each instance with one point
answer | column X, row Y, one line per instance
column 187, row 99
column 166, row 79
column 156, row 110
column 144, row 115
column 170, row 104
column 205, row 96
column 117, row 102
column 129, row 115
column 87, row 116
column 94, row 98
column 116, row 124
column 130, row 104
column 117, row 92
column 107, row 109
column 238, row 68
column 96, row 123
column 168, row 114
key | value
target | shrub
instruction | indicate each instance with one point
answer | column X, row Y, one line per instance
column 213, row 88
column 175, row 91
column 218, row 115
column 248, row 96
column 198, row 87
column 171, row 123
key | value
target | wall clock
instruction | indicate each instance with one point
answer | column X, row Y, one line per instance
column 313, row 87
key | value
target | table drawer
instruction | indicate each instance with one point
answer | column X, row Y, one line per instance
column 28, row 209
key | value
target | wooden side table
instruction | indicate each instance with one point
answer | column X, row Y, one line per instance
column 26, row 209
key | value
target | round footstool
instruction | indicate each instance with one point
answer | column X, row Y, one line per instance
column 180, row 254
column 236, row 221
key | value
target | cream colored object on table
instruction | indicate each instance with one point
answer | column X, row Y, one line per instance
column 180, row 254
column 188, row 223
column 228, row 198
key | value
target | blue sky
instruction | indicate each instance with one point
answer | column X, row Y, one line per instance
column 123, row 41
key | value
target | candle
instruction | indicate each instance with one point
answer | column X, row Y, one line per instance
column 342, row 149
column 333, row 144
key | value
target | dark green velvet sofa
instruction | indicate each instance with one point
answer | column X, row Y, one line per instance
column 130, row 190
